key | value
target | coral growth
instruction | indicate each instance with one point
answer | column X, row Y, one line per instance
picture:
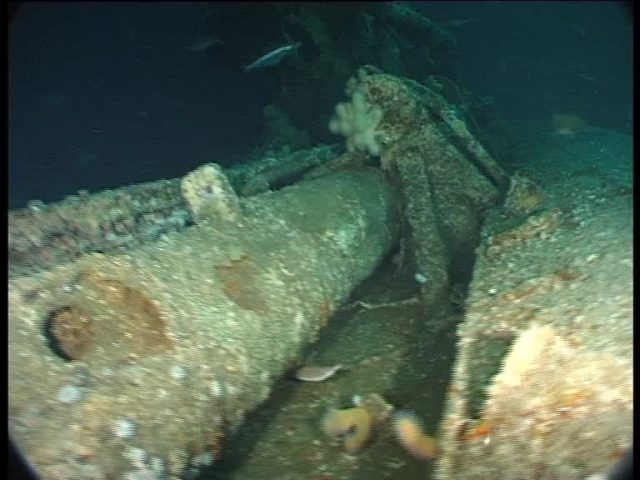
column 411, row 436
column 357, row 121
column 353, row 424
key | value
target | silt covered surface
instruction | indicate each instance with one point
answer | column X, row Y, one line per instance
column 542, row 386
column 141, row 363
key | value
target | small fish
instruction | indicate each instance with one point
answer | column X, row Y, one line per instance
column 316, row 374
column 589, row 78
column 274, row 57
column 203, row 44
column 461, row 22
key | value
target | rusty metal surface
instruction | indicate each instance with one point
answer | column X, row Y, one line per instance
column 138, row 363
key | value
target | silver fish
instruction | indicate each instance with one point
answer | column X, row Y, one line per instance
column 316, row 374
column 274, row 57
column 203, row 44
column 461, row 22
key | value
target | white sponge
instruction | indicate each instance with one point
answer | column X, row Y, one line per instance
column 357, row 121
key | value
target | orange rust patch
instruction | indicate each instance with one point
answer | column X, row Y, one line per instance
column 143, row 322
column 521, row 293
column 130, row 324
column 543, row 285
column 575, row 398
column 240, row 283
column 535, row 227
column 566, row 275
column 617, row 454
column 479, row 431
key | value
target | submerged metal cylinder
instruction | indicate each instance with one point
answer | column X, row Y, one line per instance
column 139, row 363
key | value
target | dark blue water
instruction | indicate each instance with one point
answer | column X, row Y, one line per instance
column 105, row 94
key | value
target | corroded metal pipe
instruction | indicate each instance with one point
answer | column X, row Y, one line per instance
column 138, row 363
